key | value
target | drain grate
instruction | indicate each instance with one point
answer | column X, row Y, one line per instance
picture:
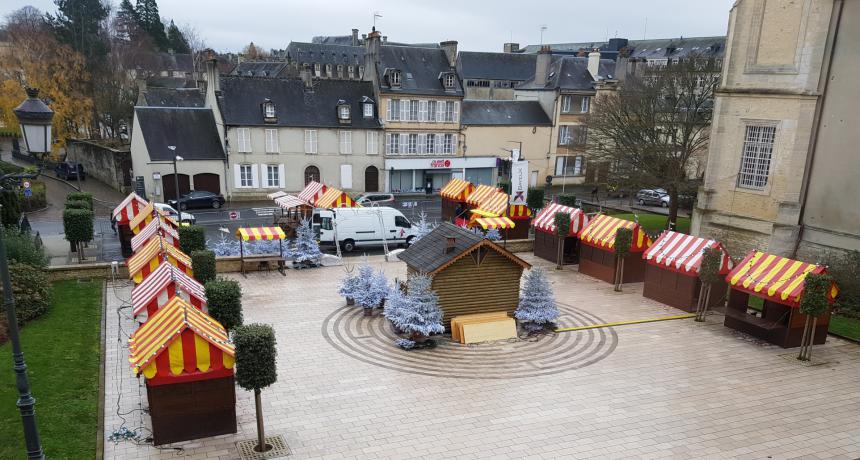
column 279, row 448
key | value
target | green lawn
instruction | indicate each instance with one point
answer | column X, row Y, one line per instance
column 62, row 354
column 656, row 223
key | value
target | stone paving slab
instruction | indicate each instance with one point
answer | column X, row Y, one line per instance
column 672, row 389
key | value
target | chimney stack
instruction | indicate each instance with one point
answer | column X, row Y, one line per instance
column 371, row 56
column 621, row 67
column 212, row 76
column 450, row 48
column 594, row 63
column 450, row 244
column 354, row 37
column 542, row 65
column 511, row 47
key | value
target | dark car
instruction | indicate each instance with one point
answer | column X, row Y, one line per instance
column 69, row 170
column 198, row 199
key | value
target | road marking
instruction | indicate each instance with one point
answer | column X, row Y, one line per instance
column 624, row 323
column 264, row 212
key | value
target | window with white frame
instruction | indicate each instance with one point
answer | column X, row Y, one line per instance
column 372, row 143
column 328, row 72
column 394, row 78
column 345, row 142
column 572, row 135
column 412, row 144
column 246, row 176
column 393, row 141
column 431, row 110
column 368, row 110
column 317, row 70
column 393, row 110
column 269, row 109
column 431, row 144
column 756, row 156
column 565, row 104
column 413, row 110
column 584, row 104
column 574, row 104
column 351, row 72
column 243, row 136
column 273, row 178
column 449, row 81
column 451, row 111
column 448, row 144
column 564, row 135
column 343, row 112
column 310, row 141
column 340, row 71
column 272, row 141
column 569, row 165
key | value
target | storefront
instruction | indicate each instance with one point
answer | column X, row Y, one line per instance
column 413, row 174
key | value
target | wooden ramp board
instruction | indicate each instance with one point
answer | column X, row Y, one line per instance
column 490, row 329
column 457, row 322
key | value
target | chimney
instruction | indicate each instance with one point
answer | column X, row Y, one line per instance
column 594, row 63
column 512, row 47
column 354, row 37
column 450, row 48
column 371, row 56
column 621, row 67
column 542, row 65
column 450, row 244
column 212, row 76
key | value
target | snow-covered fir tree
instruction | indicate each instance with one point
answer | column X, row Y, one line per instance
column 493, row 234
column 349, row 284
column 394, row 305
column 420, row 315
column 371, row 287
column 306, row 249
column 422, row 227
column 537, row 310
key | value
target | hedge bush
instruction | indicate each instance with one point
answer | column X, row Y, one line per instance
column 567, row 199
column 81, row 196
column 845, row 269
column 78, row 224
column 203, row 265
column 31, row 290
column 256, row 356
column 11, row 212
column 192, row 238
column 562, row 223
column 22, row 248
column 535, row 198
column 224, row 301
column 78, row 204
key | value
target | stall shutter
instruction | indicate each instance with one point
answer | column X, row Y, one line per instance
column 281, row 178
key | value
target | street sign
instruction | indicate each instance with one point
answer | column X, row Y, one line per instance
column 28, row 193
column 234, row 215
column 26, row 184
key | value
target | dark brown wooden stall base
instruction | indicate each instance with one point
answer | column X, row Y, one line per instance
column 600, row 264
column 192, row 410
column 679, row 290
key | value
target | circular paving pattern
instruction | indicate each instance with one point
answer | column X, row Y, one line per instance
column 371, row 339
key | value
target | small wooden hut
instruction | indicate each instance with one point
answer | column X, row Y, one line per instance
column 122, row 215
column 470, row 274
column 162, row 285
column 546, row 241
column 151, row 255
column 779, row 283
column 597, row 249
column 187, row 360
column 454, row 195
column 672, row 271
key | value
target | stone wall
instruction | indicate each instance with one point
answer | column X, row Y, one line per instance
column 109, row 165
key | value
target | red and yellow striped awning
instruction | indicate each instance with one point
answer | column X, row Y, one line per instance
column 128, row 208
column 494, row 222
column 495, row 203
column 774, row 278
column 480, row 193
column 600, row 232
column 312, row 192
column 519, row 212
column 155, row 226
column 545, row 220
column 260, row 233
column 335, row 198
column 153, row 254
column 289, row 202
column 457, row 190
column 162, row 284
column 181, row 342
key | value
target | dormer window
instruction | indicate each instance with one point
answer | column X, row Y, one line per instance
column 448, row 81
column 343, row 111
column 394, row 78
column 368, row 110
column 269, row 114
column 339, row 71
column 317, row 69
column 351, row 70
column 328, row 70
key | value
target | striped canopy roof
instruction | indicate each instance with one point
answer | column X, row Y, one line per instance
column 260, row 233
column 158, row 281
column 289, row 202
column 494, row 222
column 155, row 226
column 165, row 332
column 146, row 215
column 275, row 195
column 335, row 198
column 312, row 192
column 457, row 190
column 151, row 254
column 545, row 220
column 774, row 278
column 683, row 253
column 128, row 208
column 600, row 232
column 479, row 194
column 494, row 204
column 519, row 212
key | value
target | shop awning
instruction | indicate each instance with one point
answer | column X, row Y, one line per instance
column 189, row 352
column 545, row 220
column 153, row 254
column 289, row 202
column 155, row 226
column 774, row 278
column 479, row 194
column 494, row 222
column 128, row 208
column 335, row 198
column 312, row 192
column 159, row 280
column 519, row 212
column 683, row 253
column 495, row 203
column 260, row 233
column 457, row 190
column 600, row 232
column 275, row 195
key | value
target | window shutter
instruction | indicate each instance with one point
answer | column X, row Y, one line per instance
column 403, row 141
column 422, row 143
column 307, row 141
column 456, row 111
column 404, row 110
column 255, row 175
column 440, row 111
column 281, row 178
column 559, row 166
column 237, row 176
column 388, row 110
column 346, row 176
column 388, row 143
column 422, row 110
column 431, row 138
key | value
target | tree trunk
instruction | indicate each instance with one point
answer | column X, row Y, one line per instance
column 261, row 432
column 699, row 316
column 671, row 222
column 560, row 254
column 706, row 303
column 811, row 339
column 803, row 339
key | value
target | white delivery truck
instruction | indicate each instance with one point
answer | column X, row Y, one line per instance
column 363, row 226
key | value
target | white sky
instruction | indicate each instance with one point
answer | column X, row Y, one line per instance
column 478, row 25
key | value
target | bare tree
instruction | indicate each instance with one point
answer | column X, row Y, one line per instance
column 653, row 128
column 197, row 45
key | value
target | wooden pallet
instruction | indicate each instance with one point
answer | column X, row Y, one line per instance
column 482, row 327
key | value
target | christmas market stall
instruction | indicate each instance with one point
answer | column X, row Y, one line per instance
column 263, row 261
column 546, row 240
column 470, row 274
column 146, row 215
column 335, row 198
column 162, row 285
column 312, row 191
column 187, row 360
column 522, row 216
column 597, row 249
column 156, row 227
column 122, row 215
column 454, row 196
column 779, row 283
column 293, row 211
column 672, row 271
column 154, row 253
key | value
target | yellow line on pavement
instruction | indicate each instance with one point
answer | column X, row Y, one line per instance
column 624, row 323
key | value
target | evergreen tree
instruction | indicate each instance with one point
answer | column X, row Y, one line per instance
column 493, row 234
column 126, row 21
column 394, row 306
column 78, row 23
column 422, row 227
column 150, row 21
column 349, row 285
column 176, row 41
column 418, row 314
column 371, row 287
column 537, row 310
column 306, row 249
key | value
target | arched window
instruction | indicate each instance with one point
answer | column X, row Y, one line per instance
column 312, row 174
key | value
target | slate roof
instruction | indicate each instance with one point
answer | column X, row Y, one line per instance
column 177, row 97
column 325, row 53
column 570, row 73
column 191, row 130
column 170, row 82
column 428, row 253
column 501, row 113
column 241, row 99
column 420, row 70
column 495, row 66
column 259, row 69
column 649, row 49
column 165, row 61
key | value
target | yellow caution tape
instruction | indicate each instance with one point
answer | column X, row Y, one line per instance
column 623, row 323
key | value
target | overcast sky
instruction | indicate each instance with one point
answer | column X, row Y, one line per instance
column 478, row 25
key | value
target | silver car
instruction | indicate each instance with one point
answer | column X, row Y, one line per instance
column 652, row 197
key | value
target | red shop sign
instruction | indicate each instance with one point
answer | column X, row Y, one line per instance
column 440, row 163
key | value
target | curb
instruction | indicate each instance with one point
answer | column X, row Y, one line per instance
column 100, row 434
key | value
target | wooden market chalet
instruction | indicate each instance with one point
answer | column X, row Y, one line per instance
column 485, row 207
column 597, row 249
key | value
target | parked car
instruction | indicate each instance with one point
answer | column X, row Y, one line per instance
column 182, row 217
column 69, row 170
column 198, row 199
column 363, row 226
column 651, row 197
column 368, row 199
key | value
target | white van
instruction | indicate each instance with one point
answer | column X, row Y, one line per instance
column 363, row 226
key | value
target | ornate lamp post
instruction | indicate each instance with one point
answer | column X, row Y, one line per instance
column 35, row 119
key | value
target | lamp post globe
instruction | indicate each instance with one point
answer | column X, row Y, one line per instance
column 35, row 118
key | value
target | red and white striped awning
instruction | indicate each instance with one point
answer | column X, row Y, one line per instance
column 545, row 220
column 683, row 253
column 312, row 192
column 158, row 281
column 275, row 195
column 155, row 226
column 128, row 208
column 289, row 202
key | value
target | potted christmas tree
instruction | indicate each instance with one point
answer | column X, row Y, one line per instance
column 536, row 311
column 371, row 289
column 416, row 313
column 306, row 250
column 349, row 285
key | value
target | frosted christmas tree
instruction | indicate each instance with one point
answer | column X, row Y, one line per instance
column 418, row 314
column 537, row 310
column 349, row 285
column 306, row 250
column 422, row 227
column 493, row 234
column 371, row 287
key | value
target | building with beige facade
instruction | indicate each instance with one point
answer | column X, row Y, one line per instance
column 782, row 164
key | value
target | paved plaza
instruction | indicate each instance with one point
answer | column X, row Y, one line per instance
column 670, row 389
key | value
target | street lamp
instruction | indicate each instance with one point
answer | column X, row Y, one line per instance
column 35, row 118
column 175, row 174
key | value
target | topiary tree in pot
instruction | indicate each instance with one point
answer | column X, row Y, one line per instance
column 78, row 227
column 813, row 304
column 562, row 228
column 256, row 367
column 623, row 241
column 535, row 198
column 567, row 199
column 224, row 302
column 709, row 273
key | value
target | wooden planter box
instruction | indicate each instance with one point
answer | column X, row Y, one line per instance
column 779, row 324
column 546, row 247
column 679, row 290
column 600, row 263
column 192, row 410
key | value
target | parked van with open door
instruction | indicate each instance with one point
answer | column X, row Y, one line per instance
column 363, row 227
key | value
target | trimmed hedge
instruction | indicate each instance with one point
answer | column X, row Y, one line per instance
column 203, row 265
column 535, row 198
column 567, row 199
column 78, row 224
column 256, row 356
column 192, row 238
column 31, row 290
column 81, row 196
column 22, row 248
column 562, row 223
column 11, row 211
column 78, row 204
column 224, row 301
